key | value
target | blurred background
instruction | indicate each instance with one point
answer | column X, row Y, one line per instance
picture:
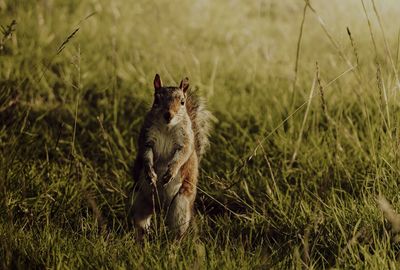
column 211, row 42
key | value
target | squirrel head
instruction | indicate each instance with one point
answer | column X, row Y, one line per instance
column 170, row 101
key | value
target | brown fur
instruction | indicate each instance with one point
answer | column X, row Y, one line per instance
column 189, row 172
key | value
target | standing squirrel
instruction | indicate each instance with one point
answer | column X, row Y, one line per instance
column 172, row 141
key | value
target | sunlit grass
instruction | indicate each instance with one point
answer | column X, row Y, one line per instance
column 298, row 157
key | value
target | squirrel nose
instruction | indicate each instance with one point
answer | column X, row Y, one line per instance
column 167, row 116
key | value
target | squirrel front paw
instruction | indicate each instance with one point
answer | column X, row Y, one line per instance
column 151, row 176
column 168, row 176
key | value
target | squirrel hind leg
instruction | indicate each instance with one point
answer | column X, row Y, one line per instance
column 180, row 213
column 142, row 212
column 181, row 209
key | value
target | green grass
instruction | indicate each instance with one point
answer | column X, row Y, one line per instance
column 297, row 162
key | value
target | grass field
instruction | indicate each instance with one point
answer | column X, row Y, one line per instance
column 304, row 165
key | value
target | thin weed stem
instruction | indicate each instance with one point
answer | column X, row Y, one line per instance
column 370, row 30
column 386, row 43
column 298, row 143
column 298, row 49
column 353, row 45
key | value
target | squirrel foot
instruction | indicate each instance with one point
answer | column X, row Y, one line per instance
column 167, row 177
column 151, row 177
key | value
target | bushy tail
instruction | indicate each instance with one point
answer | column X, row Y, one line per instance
column 200, row 118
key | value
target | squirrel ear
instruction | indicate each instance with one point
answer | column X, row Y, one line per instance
column 184, row 84
column 157, row 82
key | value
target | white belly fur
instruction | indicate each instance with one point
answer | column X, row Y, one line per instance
column 163, row 152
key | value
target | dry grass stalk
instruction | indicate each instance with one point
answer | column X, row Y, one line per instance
column 353, row 45
column 383, row 96
column 65, row 42
column 321, row 92
column 386, row 43
column 370, row 30
column 296, row 65
column 304, row 123
column 398, row 49
column 379, row 83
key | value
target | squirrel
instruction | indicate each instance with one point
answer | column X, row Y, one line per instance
column 172, row 141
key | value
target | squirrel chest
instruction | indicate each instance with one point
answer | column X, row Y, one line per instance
column 164, row 145
column 166, row 141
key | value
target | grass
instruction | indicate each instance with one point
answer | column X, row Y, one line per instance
column 304, row 162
